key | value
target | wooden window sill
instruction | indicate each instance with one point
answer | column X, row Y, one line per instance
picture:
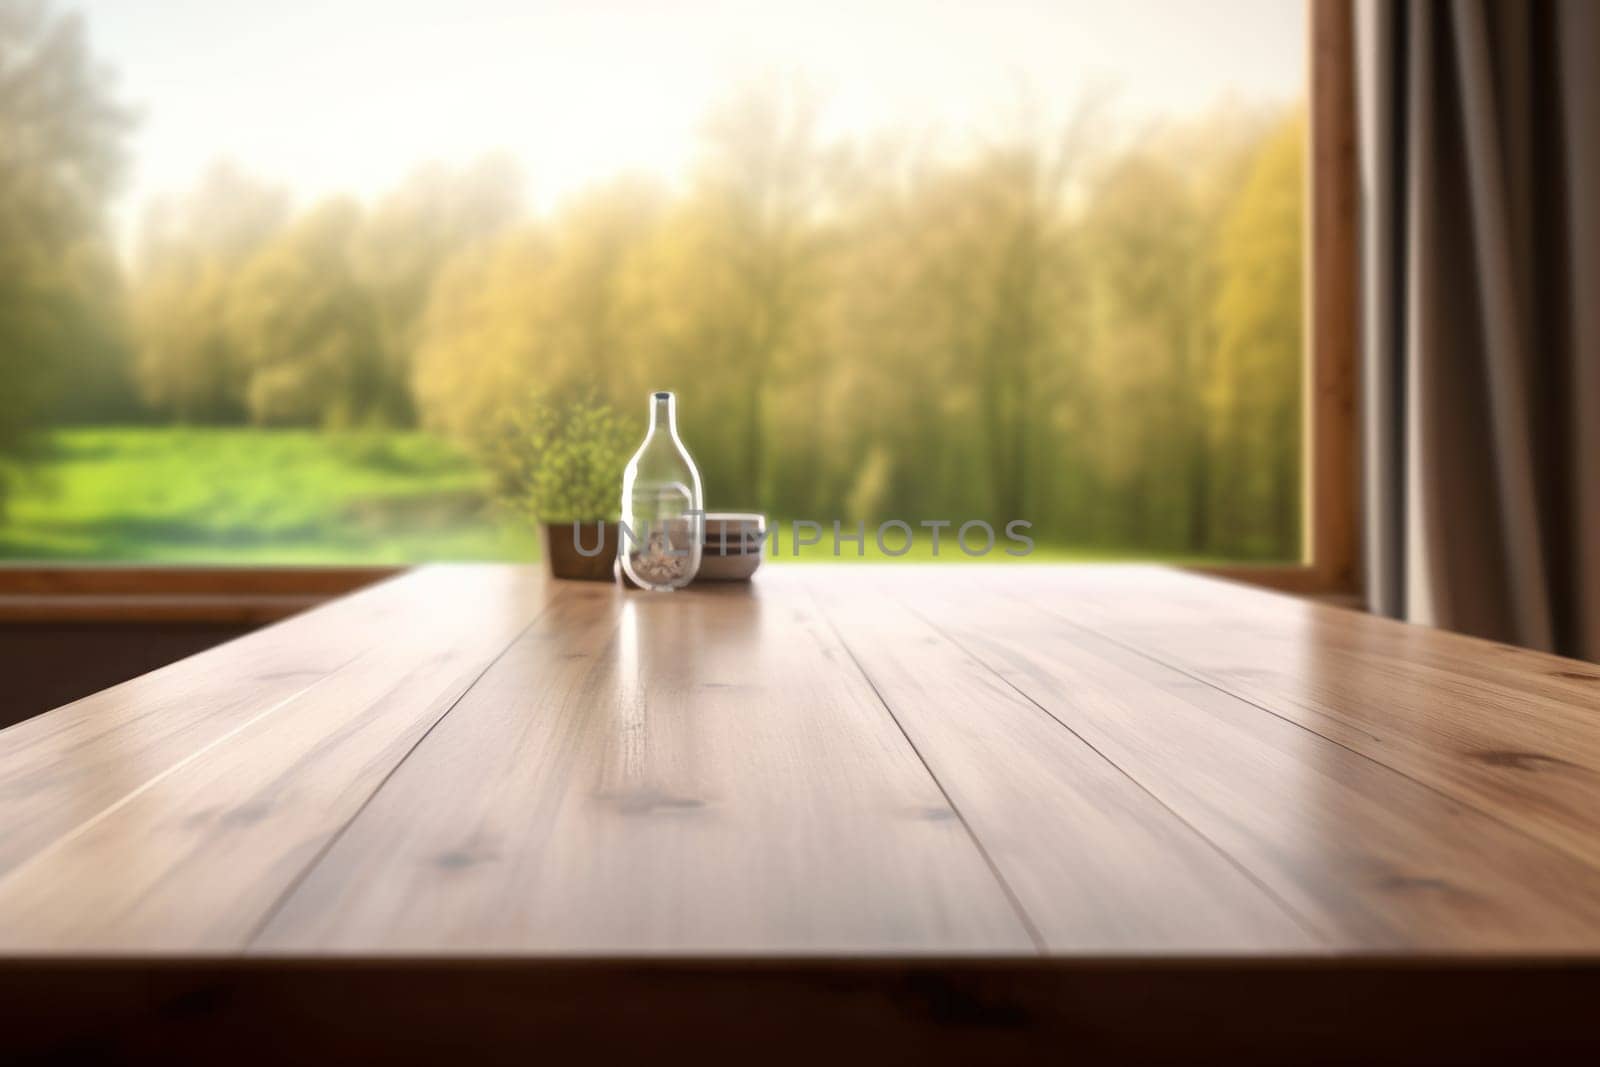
column 257, row 596
column 247, row 595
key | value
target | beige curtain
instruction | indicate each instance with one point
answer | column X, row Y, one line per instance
column 1481, row 243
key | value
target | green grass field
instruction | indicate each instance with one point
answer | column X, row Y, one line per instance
column 161, row 494
column 248, row 496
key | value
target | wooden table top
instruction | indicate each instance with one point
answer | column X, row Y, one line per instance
column 830, row 761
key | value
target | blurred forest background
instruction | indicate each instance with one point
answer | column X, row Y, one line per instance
column 1095, row 329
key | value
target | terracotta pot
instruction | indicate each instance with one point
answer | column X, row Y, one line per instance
column 563, row 557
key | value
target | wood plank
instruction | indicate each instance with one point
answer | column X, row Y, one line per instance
column 1332, row 336
column 1511, row 732
column 125, row 593
column 60, row 769
column 1372, row 859
column 641, row 774
column 251, row 609
column 922, row 1011
column 193, row 858
column 134, row 580
column 1128, row 760
column 1096, row 861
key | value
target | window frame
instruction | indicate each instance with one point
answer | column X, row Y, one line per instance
column 1330, row 564
column 1328, row 568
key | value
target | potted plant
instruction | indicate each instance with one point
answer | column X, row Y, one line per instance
column 562, row 465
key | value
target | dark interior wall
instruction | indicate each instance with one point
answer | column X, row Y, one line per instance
column 45, row 666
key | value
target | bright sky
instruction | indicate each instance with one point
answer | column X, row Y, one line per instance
column 348, row 95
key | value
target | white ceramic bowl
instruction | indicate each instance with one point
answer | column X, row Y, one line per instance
column 733, row 546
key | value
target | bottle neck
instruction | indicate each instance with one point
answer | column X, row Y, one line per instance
column 664, row 413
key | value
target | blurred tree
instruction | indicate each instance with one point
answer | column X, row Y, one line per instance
column 538, row 311
column 887, row 320
column 191, row 253
column 480, row 337
column 743, row 276
column 1014, row 269
column 597, row 239
column 1254, row 400
column 60, row 153
column 1102, row 338
column 1044, row 329
column 89, row 370
column 412, row 232
column 953, row 325
column 306, row 329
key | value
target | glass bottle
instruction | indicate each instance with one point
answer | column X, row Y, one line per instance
column 663, row 511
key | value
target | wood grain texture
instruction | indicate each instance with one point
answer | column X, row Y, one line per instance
column 1097, row 861
column 61, row 769
column 189, row 859
column 888, row 761
column 911, row 1012
column 1370, row 858
column 52, row 664
column 242, row 609
column 703, row 771
column 130, row 580
column 1515, row 734
column 258, row 595
column 1333, row 303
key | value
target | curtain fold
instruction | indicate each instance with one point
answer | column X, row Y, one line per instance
column 1481, row 319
